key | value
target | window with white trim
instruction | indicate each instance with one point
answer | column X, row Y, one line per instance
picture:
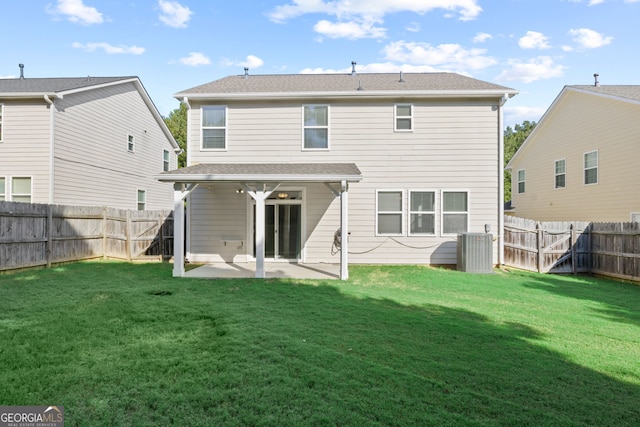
column 389, row 212
column 591, row 167
column 521, row 181
column 142, row 200
column 21, row 189
column 315, row 127
column 1, row 117
column 214, row 127
column 422, row 213
column 560, row 173
column 131, row 143
column 455, row 212
column 165, row 160
column 403, row 118
column 635, row 216
column 2, row 189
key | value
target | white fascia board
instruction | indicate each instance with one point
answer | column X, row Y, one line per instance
column 184, row 178
column 7, row 95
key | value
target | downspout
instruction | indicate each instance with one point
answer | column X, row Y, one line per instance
column 187, row 214
column 503, row 100
column 51, row 146
column 185, row 100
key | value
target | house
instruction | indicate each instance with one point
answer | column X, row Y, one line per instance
column 83, row 141
column 332, row 168
column 580, row 163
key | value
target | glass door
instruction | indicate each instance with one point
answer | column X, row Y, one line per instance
column 283, row 230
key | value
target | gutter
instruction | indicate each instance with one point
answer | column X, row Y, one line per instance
column 501, row 170
column 49, row 101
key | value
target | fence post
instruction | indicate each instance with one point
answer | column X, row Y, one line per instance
column 104, row 232
column 160, row 238
column 49, row 250
column 574, row 253
column 540, row 247
column 127, row 235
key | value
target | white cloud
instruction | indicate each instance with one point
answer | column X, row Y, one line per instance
column 384, row 67
column 7, row 77
column 413, row 27
column 77, row 11
column 538, row 68
column 589, row 39
column 349, row 30
column 533, row 40
column 174, row 14
column 482, row 37
column 357, row 18
column 194, row 59
column 444, row 56
column 251, row 61
column 109, row 49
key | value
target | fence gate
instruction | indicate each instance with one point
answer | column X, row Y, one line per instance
column 547, row 247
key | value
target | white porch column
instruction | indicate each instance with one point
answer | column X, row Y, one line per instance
column 344, row 229
column 178, row 230
column 260, row 195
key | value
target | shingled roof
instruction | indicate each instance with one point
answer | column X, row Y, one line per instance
column 37, row 86
column 344, row 84
column 621, row 91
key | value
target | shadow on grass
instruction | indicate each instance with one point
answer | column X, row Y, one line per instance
column 621, row 299
column 137, row 348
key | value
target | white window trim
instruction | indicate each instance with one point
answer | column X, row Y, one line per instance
column 132, row 142
column 401, row 212
column 1, row 122
column 226, row 125
column 9, row 183
column 634, row 214
column 3, row 189
column 328, row 127
column 556, row 174
column 597, row 168
column 138, row 190
column 396, row 117
column 524, row 181
column 167, row 162
column 435, row 214
column 442, row 212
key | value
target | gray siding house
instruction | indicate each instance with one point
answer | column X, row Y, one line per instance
column 339, row 168
column 83, row 141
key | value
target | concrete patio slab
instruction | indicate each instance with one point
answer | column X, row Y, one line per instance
column 272, row 270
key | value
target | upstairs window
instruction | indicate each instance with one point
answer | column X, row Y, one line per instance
column 422, row 214
column 403, row 118
column 1, row 111
column 21, row 189
column 214, row 127
column 142, row 200
column 2, row 189
column 455, row 212
column 591, row 168
column 521, row 176
column 131, row 143
column 165, row 160
column 389, row 213
column 316, row 127
column 560, row 173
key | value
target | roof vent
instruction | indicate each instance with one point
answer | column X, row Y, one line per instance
column 401, row 78
column 246, row 72
column 596, row 83
column 353, row 68
column 21, row 70
column 360, row 85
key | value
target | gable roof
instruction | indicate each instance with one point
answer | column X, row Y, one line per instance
column 58, row 87
column 624, row 93
column 341, row 85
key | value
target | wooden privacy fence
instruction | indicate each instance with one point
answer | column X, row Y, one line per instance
column 608, row 249
column 41, row 235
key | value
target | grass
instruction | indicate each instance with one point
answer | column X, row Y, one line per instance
column 126, row 344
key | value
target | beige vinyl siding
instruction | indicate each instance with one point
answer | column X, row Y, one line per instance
column 582, row 123
column 453, row 146
column 24, row 151
column 92, row 163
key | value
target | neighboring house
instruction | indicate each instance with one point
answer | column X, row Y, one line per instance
column 580, row 163
column 83, row 141
column 390, row 168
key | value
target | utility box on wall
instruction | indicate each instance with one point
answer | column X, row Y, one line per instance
column 475, row 252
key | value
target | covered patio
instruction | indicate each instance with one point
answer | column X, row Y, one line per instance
column 273, row 270
column 259, row 180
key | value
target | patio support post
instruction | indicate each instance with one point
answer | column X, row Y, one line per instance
column 344, row 236
column 260, row 195
column 178, row 230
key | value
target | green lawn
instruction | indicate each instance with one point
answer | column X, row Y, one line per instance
column 127, row 344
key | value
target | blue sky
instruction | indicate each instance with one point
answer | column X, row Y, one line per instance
column 533, row 46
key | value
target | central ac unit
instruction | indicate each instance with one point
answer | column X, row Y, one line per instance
column 475, row 252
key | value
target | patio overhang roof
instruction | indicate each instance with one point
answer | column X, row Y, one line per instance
column 263, row 172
